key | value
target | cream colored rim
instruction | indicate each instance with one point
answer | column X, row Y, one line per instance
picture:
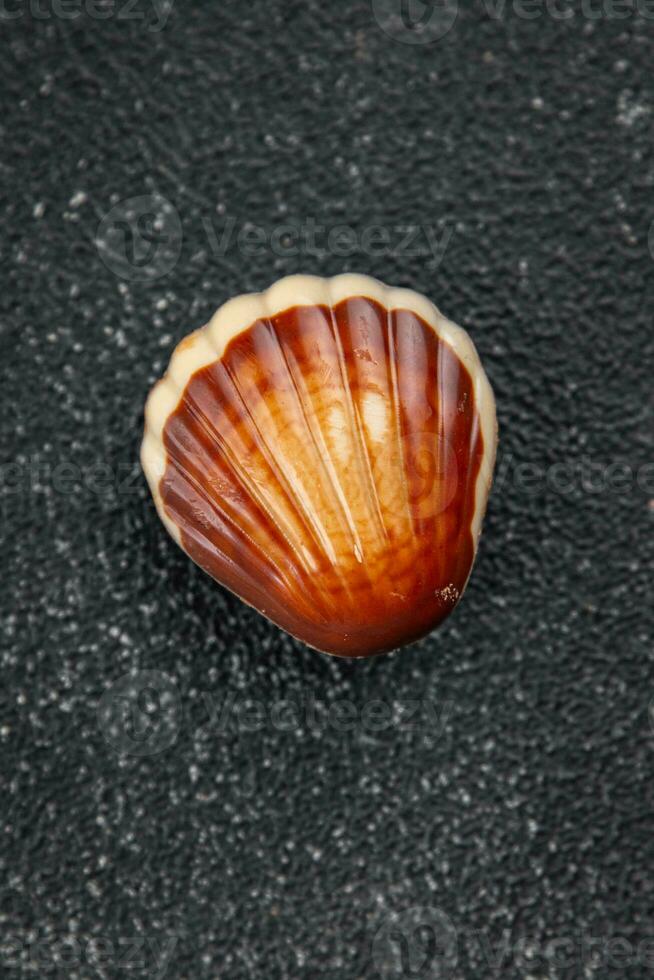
column 208, row 344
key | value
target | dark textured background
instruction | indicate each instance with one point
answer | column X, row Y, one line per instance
column 523, row 802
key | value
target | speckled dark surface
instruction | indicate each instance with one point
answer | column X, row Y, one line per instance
column 521, row 805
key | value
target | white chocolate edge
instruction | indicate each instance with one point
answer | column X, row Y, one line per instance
column 208, row 344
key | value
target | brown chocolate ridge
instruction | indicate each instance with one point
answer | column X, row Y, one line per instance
column 324, row 470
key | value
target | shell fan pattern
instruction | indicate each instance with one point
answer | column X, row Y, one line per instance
column 325, row 450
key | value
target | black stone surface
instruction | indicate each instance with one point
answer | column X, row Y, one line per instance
column 520, row 807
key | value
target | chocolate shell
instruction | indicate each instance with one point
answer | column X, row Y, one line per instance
column 325, row 450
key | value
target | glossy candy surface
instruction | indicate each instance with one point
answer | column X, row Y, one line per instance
column 325, row 450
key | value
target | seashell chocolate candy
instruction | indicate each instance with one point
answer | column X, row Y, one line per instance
column 325, row 450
